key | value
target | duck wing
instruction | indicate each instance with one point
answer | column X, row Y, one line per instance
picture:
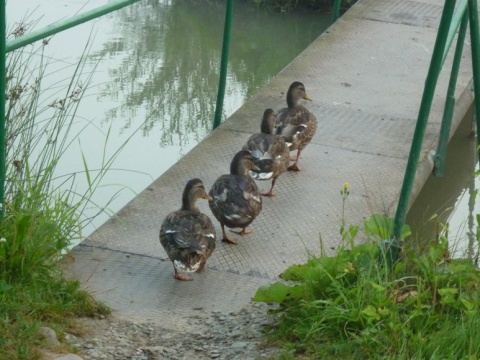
column 236, row 200
column 271, row 155
column 297, row 126
column 189, row 231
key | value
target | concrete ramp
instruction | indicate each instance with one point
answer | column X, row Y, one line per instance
column 365, row 75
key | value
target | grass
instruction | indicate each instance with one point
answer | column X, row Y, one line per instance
column 43, row 213
column 48, row 301
column 353, row 306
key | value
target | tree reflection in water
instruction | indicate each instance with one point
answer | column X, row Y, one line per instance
column 165, row 61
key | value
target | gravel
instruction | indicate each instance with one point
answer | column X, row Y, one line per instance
column 216, row 335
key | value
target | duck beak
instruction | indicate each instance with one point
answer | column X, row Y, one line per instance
column 255, row 168
column 206, row 197
column 306, row 97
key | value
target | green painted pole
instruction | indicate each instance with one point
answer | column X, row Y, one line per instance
column 3, row 80
column 456, row 21
column 475, row 41
column 439, row 161
column 224, row 64
column 422, row 119
column 66, row 24
column 336, row 9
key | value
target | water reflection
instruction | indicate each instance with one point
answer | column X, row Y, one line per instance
column 450, row 197
column 169, row 58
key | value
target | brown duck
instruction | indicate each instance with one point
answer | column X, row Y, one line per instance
column 295, row 123
column 236, row 200
column 270, row 152
column 187, row 235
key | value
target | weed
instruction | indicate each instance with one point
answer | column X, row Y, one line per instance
column 42, row 214
column 353, row 306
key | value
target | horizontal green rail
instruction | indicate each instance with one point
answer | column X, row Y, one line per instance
column 66, row 24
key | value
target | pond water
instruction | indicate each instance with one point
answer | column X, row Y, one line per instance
column 448, row 200
column 156, row 71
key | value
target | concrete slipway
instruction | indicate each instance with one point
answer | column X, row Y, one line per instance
column 366, row 76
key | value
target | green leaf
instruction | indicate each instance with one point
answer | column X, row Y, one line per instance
column 4, row 287
column 277, row 292
column 447, row 291
column 468, row 305
column 23, row 226
column 378, row 288
column 381, row 226
column 371, row 313
column 298, row 272
column 448, row 295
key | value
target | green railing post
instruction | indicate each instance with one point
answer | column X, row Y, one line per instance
column 224, row 64
column 3, row 86
column 423, row 114
column 336, row 9
column 475, row 43
column 439, row 161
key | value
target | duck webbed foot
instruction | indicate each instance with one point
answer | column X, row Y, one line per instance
column 227, row 239
column 244, row 231
column 293, row 167
column 270, row 192
column 182, row 277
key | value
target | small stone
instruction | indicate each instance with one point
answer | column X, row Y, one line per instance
column 69, row 357
column 49, row 335
column 154, row 350
column 239, row 344
column 235, row 333
column 93, row 354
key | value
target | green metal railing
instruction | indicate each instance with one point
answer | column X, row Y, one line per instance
column 466, row 12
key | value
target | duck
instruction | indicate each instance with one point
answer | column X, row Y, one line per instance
column 235, row 198
column 187, row 235
column 295, row 123
column 270, row 152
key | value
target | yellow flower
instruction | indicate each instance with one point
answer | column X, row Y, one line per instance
column 345, row 186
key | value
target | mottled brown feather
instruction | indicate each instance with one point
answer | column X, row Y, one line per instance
column 236, row 200
column 187, row 235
